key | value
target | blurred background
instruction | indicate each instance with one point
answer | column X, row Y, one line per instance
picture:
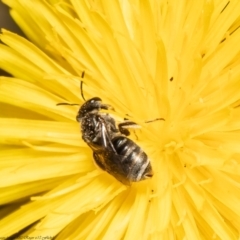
column 7, row 23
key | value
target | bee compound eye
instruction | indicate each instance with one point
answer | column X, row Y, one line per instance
column 95, row 99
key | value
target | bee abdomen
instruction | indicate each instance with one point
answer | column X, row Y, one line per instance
column 124, row 146
column 134, row 160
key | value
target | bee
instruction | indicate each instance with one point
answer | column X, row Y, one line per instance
column 113, row 152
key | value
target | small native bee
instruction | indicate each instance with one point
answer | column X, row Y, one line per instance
column 113, row 152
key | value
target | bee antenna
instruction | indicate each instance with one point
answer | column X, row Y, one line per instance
column 69, row 104
column 81, row 86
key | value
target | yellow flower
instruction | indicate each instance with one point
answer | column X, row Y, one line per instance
column 178, row 60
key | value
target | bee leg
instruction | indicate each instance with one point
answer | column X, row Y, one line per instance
column 156, row 119
column 123, row 127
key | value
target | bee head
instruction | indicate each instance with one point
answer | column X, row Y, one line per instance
column 91, row 106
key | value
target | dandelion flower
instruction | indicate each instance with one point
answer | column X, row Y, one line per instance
column 178, row 60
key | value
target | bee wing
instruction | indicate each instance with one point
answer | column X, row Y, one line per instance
column 102, row 137
column 106, row 139
column 110, row 162
column 106, row 157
